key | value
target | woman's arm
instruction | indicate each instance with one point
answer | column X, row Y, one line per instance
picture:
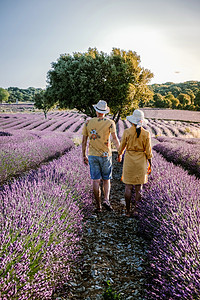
column 148, row 148
column 149, row 160
column 122, row 147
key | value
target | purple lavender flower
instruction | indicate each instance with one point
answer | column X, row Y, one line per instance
column 41, row 220
column 170, row 218
column 181, row 151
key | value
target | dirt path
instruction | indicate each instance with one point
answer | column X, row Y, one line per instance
column 112, row 250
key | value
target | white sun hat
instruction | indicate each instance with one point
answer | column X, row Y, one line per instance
column 101, row 107
column 137, row 118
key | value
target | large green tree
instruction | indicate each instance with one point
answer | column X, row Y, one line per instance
column 4, row 95
column 82, row 79
column 43, row 101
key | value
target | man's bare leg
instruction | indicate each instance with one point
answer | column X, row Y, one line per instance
column 106, row 189
column 97, row 193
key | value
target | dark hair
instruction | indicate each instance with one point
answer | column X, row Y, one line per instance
column 138, row 130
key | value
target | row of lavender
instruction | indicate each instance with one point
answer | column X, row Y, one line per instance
column 185, row 152
column 170, row 218
column 41, row 219
column 73, row 122
column 174, row 128
column 22, row 150
column 56, row 121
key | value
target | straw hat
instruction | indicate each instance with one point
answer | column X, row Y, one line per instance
column 137, row 118
column 101, row 107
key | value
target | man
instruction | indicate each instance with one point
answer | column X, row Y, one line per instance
column 99, row 130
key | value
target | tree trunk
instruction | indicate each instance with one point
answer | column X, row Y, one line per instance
column 114, row 117
column 118, row 117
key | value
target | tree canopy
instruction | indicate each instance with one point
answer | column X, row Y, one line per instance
column 82, row 79
column 4, row 95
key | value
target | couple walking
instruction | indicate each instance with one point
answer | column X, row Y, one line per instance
column 135, row 143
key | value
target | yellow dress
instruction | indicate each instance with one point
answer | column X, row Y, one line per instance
column 138, row 151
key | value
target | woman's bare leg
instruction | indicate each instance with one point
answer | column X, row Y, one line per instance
column 128, row 194
column 138, row 190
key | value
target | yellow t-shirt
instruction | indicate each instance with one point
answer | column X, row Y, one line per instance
column 98, row 131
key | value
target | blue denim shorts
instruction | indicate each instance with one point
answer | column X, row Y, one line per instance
column 100, row 167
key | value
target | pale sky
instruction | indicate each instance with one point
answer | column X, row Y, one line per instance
column 33, row 34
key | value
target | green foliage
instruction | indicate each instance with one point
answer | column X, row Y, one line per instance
column 81, row 80
column 108, row 294
column 168, row 101
column 22, row 95
column 171, row 101
column 158, row 100
column 43, row 101
column 176, row 88
column 184, row 94
column 197, row 100
column 4, row 95
column 184, row 99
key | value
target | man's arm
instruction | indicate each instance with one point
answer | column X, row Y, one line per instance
column 115, row 140
column 84, row 147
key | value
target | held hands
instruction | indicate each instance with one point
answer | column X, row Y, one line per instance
column 119, row 158
column 85, row 160
column 149, row 170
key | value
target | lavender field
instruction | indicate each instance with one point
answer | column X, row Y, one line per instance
column 71, row 121
column 41, row 223
column 42, row 212
column 185, row 152
column 22, row 151
column 27, row 139
column 170, row 217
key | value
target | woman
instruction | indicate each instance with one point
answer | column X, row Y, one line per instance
column 137, row 143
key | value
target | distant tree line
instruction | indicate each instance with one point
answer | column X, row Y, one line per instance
column 184, row 95
column 14, row 94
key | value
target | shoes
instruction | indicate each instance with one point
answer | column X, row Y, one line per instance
column 135, row 214
column 98, row 210
column 128, row 215
column 107, row 205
